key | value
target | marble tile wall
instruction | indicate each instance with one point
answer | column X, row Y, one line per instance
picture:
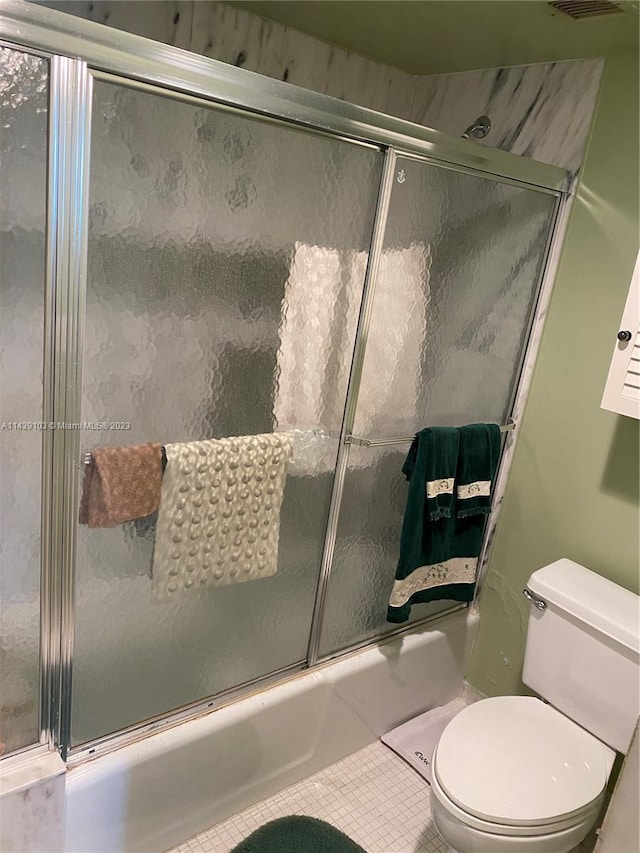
column 32, row 804
column 167, row 21
column 540, row 111
column 240, row 38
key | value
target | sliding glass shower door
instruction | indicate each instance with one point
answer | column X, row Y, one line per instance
column 189, row 254
column 24, row 91
column 452, row 306
column 225, row 272
column 226, row 265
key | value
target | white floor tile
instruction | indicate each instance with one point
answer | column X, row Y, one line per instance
column 372, row 796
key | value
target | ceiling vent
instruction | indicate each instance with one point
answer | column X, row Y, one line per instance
column 579, row 9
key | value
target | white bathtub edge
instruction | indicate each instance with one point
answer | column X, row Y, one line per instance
column 154, row 794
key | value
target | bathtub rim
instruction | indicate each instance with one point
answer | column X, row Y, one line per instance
column 107, row 744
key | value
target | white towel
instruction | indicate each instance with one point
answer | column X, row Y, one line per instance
column 219, row 518
column 317, row 331
column 318, row 324
column 392, row 373
column 319, row 319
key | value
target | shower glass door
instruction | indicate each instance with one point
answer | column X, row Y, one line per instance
column 225, row 272
column 24, row 90
column 453, row 303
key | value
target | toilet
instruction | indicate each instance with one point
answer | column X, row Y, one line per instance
column 523, row 773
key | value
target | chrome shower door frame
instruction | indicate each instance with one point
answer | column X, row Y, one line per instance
column 69, row 126
column 80, row 50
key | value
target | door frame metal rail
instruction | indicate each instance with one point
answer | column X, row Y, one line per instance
column 522, row 386
column 78, row 51
column 65, row 288
column 353, row 388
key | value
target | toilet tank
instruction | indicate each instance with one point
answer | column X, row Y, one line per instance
column 583, row 650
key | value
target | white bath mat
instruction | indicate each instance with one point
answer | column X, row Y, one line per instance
column 416, row 739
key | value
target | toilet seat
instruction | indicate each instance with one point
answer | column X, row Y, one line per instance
column 458, row 814
column 513, row 761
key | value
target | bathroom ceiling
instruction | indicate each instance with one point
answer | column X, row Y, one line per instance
column 439, row 36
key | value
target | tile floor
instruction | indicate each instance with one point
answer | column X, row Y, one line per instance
column 372, row 795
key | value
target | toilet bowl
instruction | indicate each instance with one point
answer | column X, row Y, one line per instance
column 512, row 773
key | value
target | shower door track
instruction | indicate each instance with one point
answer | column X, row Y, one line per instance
column 79, row 51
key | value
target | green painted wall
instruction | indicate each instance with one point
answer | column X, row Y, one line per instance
column 435, row 37
column 573, row 488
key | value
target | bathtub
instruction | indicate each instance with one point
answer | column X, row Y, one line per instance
column 153, row 794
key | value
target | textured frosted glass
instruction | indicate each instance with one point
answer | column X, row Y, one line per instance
column 224, row 281
column 452, row 308
column 23, row 148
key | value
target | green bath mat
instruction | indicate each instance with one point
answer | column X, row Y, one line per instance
column 297, row 834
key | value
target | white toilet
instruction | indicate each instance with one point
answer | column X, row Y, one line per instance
column 515, row 773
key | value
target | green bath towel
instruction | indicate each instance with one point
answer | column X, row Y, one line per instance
column 440, row 545
column 297, row 834
column 477, row 464
column 433, row 456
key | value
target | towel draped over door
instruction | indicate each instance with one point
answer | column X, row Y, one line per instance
column 219, row 519
column 450, row 472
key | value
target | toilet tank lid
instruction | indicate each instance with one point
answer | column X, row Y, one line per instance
column 598, row 602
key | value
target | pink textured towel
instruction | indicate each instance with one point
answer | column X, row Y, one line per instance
column 121, row 484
